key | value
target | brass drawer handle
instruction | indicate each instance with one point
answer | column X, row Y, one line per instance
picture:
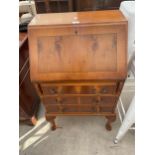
column 53, row 91
column 60, row 101
column 104, row 90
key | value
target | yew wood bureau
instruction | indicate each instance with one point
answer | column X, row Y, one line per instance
column 78, row 62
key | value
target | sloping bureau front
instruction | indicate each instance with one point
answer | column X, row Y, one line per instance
column 75, row 56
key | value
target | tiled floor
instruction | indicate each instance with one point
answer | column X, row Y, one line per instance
column 78, row 136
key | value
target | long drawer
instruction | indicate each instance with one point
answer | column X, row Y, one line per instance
column 87, row 108
column 102, row 100
column 79, row 88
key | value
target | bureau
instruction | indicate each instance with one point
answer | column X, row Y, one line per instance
column 78, row 62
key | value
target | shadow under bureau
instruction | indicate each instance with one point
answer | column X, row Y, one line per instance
column 78, row 62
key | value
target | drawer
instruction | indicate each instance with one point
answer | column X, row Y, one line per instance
column 66, row 109
column 53, row 89
column 91, row 100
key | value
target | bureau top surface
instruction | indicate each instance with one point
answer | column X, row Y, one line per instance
column 90, row 17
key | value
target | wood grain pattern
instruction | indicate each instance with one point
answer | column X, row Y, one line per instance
column 78, row 62
column 60, row 56
column 60, row 40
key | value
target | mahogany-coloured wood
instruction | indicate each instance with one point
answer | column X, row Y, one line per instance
column 88, row 5
column 110, row 120
column 52, row 120
column 92, row 29
column 28, row 99
column 78, row 62
column 46, row 6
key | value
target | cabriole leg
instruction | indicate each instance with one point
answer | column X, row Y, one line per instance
column 51, row 119
column 110, row 119
column 53, row 123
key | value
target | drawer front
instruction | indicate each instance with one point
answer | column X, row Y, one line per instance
column 104, row 100
column 53, row 89
column 66, row 109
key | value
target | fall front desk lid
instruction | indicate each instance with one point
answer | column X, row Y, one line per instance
column 78, row 46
